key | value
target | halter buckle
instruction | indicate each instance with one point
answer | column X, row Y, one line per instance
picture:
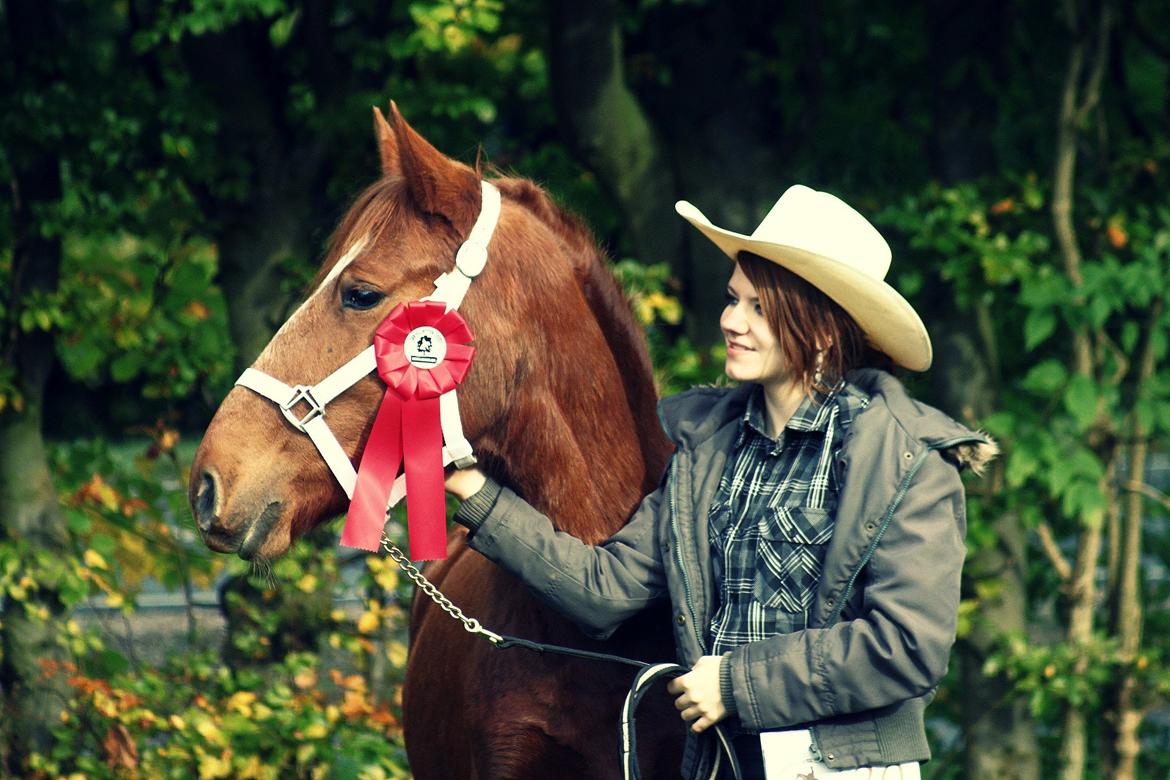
column 302, row 393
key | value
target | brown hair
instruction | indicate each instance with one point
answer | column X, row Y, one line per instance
column 801, row 317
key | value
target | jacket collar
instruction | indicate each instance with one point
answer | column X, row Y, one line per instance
column 693, row 417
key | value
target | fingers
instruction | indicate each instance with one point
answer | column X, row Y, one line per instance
column 701, row 725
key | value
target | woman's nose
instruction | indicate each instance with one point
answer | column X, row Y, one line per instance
column 733, row 320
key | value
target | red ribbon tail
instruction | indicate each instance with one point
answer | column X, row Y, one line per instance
column 426, row 499
column 379, row 468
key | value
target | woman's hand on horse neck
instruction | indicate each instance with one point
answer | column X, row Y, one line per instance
column 464, row 483
column 700, row 699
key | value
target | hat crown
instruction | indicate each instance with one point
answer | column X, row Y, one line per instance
column 825, row 225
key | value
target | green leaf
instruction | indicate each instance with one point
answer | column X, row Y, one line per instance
column 126, row 366
column 1080, row 399
column 1037, row 327
column 1045, row 377
column 1020, row 465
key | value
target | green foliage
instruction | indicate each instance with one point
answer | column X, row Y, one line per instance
column 195, row 717
column 324, row 713
column 652, row 293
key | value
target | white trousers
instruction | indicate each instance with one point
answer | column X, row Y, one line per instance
column 788, row 756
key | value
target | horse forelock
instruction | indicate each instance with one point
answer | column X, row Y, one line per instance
column 369, row 218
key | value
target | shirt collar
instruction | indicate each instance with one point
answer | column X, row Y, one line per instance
column 811, row 416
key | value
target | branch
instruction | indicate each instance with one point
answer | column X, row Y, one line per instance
column 1149, row 491
column 1052, row 550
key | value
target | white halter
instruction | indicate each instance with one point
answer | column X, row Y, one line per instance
column 450, row 289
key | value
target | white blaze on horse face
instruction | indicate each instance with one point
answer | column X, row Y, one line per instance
column 354, row 250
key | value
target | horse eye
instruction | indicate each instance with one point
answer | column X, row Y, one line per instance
column 361, row 298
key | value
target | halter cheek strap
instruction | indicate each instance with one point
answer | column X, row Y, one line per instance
column 304, row 405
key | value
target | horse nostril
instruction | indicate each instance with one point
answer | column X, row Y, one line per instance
column 204, row 503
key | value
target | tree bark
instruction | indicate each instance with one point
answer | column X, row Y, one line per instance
column 1088, row 51
column 608, row 127
column 1128, row 612
column 30, row 516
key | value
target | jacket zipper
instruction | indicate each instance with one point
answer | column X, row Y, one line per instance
column 885, row 524
column 678, row 557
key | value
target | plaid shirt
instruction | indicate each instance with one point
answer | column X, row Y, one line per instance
column 773, row 516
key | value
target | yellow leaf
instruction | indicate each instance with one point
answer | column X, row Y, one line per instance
column 387, row 579
column 114, row 600
column 94, row 560
column 241, row 702
column 396, row 654
column 367, row 623
column 210, row 732
column 214, row 766
column 316, row 731
column 305, row 678
column 178, row 723
column 308, row 583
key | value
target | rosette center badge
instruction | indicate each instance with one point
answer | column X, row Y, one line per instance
column 425, row 347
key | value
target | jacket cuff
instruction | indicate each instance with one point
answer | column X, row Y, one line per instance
column 725, row 691
column 478, row 506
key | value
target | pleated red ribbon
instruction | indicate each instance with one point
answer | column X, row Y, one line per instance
column 422, row 352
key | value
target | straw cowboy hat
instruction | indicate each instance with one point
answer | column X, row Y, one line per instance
column 822, row 239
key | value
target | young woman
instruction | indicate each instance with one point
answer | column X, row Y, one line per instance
column 809, row 532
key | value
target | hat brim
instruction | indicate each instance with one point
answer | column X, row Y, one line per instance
column 888, row 320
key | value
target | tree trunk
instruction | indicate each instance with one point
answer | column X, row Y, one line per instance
column 251, row 256
column 30, row 516
column 608, row 127
column 1126, row 709
column 1088, row 53
column 31, row 520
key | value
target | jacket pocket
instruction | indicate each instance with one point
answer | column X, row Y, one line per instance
column 790, row 555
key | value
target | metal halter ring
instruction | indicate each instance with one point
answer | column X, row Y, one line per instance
column 302, row 393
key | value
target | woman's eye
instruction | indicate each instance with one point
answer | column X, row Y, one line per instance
column 758, row 309
column 361, row 298
column 730, row 300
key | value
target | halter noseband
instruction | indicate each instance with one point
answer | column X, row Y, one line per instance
column 450, row 288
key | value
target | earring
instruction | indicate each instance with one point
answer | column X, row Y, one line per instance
column 818, row 375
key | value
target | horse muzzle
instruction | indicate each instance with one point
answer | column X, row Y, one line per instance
column 229, row 533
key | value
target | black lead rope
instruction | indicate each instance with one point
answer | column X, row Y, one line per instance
column 647, row 675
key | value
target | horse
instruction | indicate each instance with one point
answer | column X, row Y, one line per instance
column 559, row 404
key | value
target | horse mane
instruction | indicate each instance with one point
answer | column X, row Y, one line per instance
column 610, row 307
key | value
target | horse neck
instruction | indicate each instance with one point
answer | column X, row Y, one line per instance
column 581, row 441
column 582, row 465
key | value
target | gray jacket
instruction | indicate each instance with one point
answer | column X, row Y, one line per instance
column 884, row 618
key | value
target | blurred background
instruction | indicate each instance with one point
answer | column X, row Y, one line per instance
column 172, row 171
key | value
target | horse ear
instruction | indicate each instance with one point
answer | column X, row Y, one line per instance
column 438, row 184
column 387, row 145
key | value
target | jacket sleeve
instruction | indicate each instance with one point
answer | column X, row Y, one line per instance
column 899, row 645
column 596, row 586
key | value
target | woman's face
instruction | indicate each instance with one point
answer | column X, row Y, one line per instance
column 752, row 352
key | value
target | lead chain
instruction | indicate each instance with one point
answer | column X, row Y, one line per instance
column 471, row 625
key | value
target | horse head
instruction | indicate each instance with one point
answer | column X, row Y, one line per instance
column 558, row 403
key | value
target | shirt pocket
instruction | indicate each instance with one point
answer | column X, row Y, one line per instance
column 790, row 555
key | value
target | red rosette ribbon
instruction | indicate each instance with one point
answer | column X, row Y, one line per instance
column 422, row 352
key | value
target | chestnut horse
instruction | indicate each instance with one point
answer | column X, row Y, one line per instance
column 559, row 404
